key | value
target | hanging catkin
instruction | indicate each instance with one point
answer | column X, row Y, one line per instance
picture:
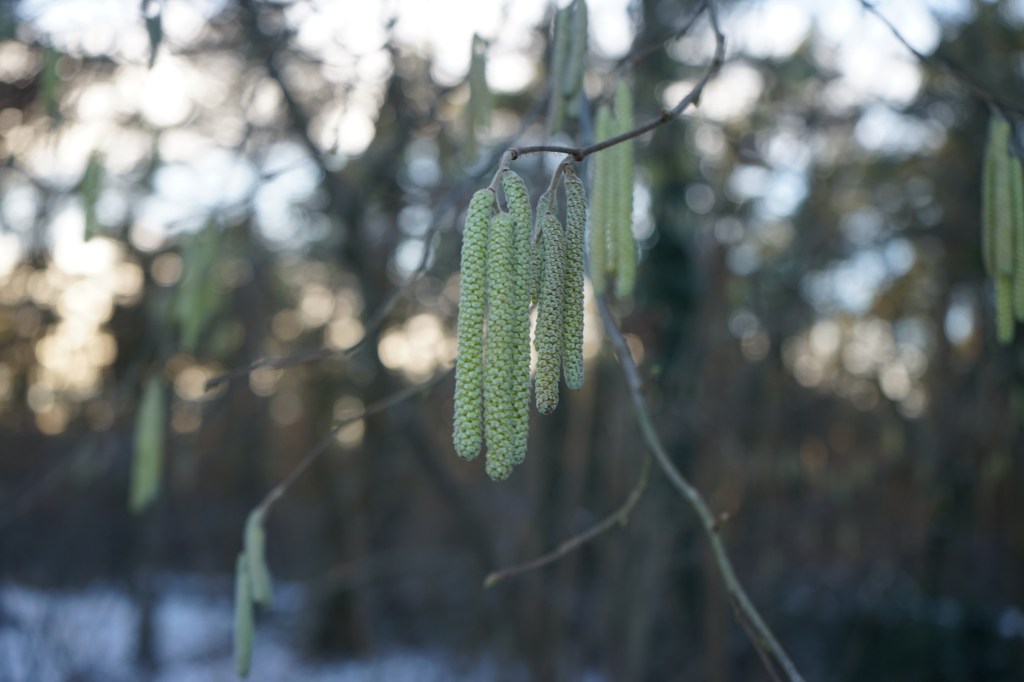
column 999, row 140
column 548, row 338
column 599, row 237
column 518, row 199
column 503, row 421
column 572, row 285
column 625, row 251
column 468, row 420
column 547, row 203
column 1017, row 228
column 572, row 75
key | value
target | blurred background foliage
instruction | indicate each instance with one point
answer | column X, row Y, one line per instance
column 811, row 320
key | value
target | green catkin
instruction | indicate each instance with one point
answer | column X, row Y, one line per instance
column 255, row 543
column 480, row 98
column 243, row 617
column 1004, row 308
column 469, row 369
column 549, row 335
column 572, row 284
column 148, row 453
column 502, row 418
column 547, row 203
column 559, row 57
column 989, row 211
column 999, row 139
column 518, row 200
column 1017, row 221
column 598, row 246
column 572, row 75
column 625, row 252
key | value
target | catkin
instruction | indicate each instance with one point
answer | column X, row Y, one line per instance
column 468, row 420
column 625, row 252
column 1004, row 308
column 572, row 283
column 254, row 544
column 599, row 240
column 572, row 75
column 243, row 617
column 1017, row 227
column 559, row 57
column 547, row 203
column 999, row 140
column 548, row 338
column 518, row 200
column 989, row 196
column 503, row 427
column 480, row 98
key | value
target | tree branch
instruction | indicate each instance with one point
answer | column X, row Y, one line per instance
column 691, row 98
column 321, row 447
column 746, row 612
column 618, row 517
column 945, row 64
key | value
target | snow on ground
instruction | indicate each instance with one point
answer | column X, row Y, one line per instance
column 90, row 634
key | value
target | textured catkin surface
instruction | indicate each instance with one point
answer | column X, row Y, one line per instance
column 518, row 200
column 503, row 428
column 572, row 302
column 468, row 419
column 548, row 338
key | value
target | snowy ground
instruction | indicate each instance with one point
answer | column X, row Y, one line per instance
column 91, row 635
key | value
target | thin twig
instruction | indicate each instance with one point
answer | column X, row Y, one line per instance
column 321, row 447
column 620, row 516
column 637, row 56
column 691, row 98
column 947, row 65
column 763, row 637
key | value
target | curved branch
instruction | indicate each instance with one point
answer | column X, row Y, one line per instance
column 321, row 447
column 948, row 66
column 763, row 637
column 691, row 98
column 618, row 517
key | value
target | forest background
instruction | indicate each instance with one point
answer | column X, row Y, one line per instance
column 812, row 324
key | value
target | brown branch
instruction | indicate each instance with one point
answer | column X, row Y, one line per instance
column 620, row 516
column 637, row 56
column 321, row 447
column 762, row 636
column 947, row 65
column 691, row 98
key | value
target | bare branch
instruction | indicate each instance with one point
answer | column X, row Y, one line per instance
column 691, row 98
column 321, row 447
column 618, row 517
column 762, row 636
column 945, row 64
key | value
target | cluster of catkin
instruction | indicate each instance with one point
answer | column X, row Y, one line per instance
column 507, row 260
column 612, row 245
column 1002, row 234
